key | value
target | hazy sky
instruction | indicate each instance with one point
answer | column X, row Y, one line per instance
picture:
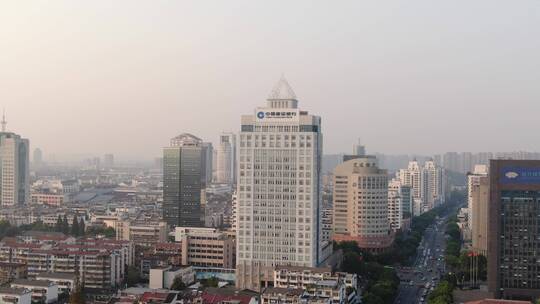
column 405, row 76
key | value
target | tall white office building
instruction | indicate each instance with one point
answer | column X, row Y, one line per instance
column 226, row 159
column 279, row 203
column 14, row 168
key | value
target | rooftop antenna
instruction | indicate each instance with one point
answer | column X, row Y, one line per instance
column 4, row 122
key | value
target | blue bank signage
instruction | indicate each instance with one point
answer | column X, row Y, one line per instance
column 268, row 114
column 519, row 175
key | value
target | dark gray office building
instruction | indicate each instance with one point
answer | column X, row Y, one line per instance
column 514, row 229
column 183, row 180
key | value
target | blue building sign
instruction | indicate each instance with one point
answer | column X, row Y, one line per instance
column 519, row 175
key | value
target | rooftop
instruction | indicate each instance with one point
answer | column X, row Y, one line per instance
column 283, row 291
column 495, row 301
column 24, row 282
column 302, row 269
column 56, row 275
column 13, row 291
column 9, row 264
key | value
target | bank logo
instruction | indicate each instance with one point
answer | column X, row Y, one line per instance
column 511, row 174
column 260, row 115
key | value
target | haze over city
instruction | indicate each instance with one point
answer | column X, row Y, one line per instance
column 124, row 77
column 269, row 152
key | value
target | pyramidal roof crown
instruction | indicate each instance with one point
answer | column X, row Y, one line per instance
column 282, row 91
column 185, row 139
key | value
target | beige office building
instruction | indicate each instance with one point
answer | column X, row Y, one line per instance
column 361, row 204
column 141, row 233
column 208, row 248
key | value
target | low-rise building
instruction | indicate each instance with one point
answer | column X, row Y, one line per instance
column 42, row 291
column 277, row 295
column 169, row 252
column 65, row 281
column 15, row 295
column 320, row 285
column 49, row 199
column 227, row 295
column 208, row 248
column 99, row 264
column 497, row 301
column 12, row 271
column 141, row 233
column 299, row 277
column 164, row 277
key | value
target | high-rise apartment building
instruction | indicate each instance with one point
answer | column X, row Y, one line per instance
column 360, row 204
column 359, row 149
column 396, row 206
column 452, row 161
column 395, row 214
column 37, row 157
column 407, row 199
column 207, row 164
column 14, row 168
column 108, row 161
column 435, row 184
column 414, row 177
column 478, row 200
column 514, row 228
column 280, row 148
column 226, row 159
column 427, row 184
column 183, row 181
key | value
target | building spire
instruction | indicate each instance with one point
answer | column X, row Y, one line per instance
column 282, row 90
column 4, row 122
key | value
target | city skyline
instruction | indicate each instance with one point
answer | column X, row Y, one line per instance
column 430, row 71
column 211, row 152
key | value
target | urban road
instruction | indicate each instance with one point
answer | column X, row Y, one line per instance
column 418, row 281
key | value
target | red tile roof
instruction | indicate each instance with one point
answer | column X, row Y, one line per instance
column 153, row 296
column 216, row 298
column 495, row 301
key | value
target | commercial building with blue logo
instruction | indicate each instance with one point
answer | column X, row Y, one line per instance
column 514, row 229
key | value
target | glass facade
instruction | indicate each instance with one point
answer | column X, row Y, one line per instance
column 182, row 186
column 519, row 261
